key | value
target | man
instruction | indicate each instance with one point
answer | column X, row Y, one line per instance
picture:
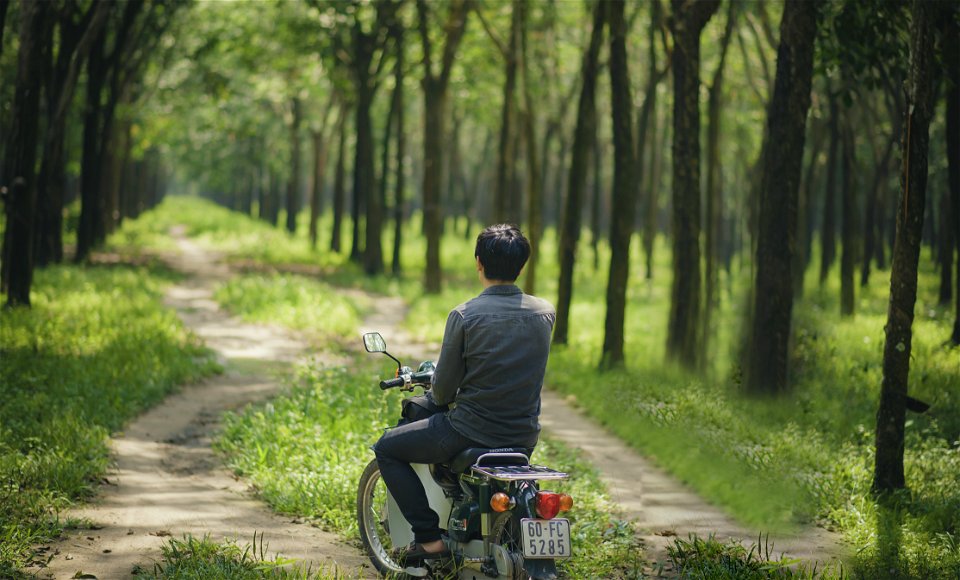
column 491, row 367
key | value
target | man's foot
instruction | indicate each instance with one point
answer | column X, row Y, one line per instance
column 416, row 553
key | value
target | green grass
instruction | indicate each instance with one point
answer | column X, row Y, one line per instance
column 194, row 558
column 304, row 452
column 710, row 559
column 294, row 301
column 96, row 349
column 774, row 464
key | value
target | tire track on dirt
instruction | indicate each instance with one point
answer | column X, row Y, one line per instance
column 167, row 480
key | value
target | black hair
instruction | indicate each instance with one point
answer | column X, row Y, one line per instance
column 503, row 251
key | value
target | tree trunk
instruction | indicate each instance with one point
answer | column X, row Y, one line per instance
column 850, row 234
column 888, row 469
column 766, row 370
column 293, row 182
column 506, row 153
column 873, row 232
column 20, row 154
column 653, row 190
column 952, row 58
column 624, row 206
column 583, row 137
column 945, row 251
column 339, row 179
column 804, row 213
column 316, row 188
column 434, row 119
column 683, row 343
column 828, row 229
column 714, row 196
column 91, row 196
column 399, row 200
column 534, row 186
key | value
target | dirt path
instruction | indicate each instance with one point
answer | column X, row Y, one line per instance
column 662, row 507
column 167, row 481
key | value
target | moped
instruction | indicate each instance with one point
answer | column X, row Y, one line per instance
column 499, row 523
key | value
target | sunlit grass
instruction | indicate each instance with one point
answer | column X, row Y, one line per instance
column 96, row 349
column 193, row 558
column 806, row 456
column 305, row 451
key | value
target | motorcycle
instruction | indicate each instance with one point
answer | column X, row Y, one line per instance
column 499, row 523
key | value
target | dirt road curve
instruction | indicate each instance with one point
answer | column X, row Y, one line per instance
column 168, row 482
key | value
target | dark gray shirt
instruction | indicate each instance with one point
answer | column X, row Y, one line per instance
column 492, row 361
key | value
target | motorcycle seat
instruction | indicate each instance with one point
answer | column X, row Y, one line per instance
column 469, row 457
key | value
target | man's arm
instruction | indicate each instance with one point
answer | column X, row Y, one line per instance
column 450, row 368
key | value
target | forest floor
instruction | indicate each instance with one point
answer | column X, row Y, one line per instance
column 168, row 482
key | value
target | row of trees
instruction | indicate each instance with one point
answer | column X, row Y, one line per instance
column 801, row 122
column 109, row 46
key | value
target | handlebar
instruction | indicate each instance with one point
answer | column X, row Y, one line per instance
column 421, row 378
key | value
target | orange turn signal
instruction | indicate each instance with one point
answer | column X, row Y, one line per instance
column 500, row 502
column 566, row 502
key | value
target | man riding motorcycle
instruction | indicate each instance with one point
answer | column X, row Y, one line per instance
column 490, row 373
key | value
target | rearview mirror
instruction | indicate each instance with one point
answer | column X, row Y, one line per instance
column 373, row 342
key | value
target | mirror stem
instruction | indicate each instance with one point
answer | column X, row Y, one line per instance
column 399, row 364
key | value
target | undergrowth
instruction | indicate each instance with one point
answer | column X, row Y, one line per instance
column 304, row 452
column 710, row 559
column 192, row 558
column 96, row 348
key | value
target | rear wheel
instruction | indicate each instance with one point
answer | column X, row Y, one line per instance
column 373, row 522
column 506, row 533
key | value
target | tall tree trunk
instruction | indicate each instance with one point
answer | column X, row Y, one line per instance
column 873, row 238
column 888, row 468
column 534, row 185
column 828, row 229
column 624, row 206
column 648, row 111
column 766, row 369
column 508, row 113
column 596, row 202
column 714, row 196
column 293, row 183
column 952, row 58
column 365, row 179
column 683, row 342
column 316, row 187
column 804, row 213
column 339, row 179
column 399, row 200
column 434, row 118
column 583, row 137
column 20, row 153
column 658, row 140
column 850, row 234
column 91, row 200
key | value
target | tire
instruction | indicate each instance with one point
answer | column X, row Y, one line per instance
column 372, row 521
column 506, row 533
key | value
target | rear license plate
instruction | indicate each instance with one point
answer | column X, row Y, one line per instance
column 545, row 538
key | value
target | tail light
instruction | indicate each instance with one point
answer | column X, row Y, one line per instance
column 548, row 504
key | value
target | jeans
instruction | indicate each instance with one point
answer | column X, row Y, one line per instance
column 431, row 440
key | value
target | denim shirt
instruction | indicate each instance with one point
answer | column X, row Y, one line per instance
column 492, row 361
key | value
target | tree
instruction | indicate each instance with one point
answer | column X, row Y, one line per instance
column 339, row 179
column 624, row 188
column 582, row 147
column 399, row 202
column 435, row 85
column 849, row 228
column 828, row 230
column 891, row 415
column 534, row 184
column 293, row 180
column 714, row 215
column 952, row 57
column 689, row 18
column 36, row 21
column 766, row 368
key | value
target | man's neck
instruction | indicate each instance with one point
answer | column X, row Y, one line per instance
column 487, row 282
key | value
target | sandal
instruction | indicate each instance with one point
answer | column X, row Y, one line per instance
column 415, row 554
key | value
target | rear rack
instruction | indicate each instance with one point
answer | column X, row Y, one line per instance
column 515, row 472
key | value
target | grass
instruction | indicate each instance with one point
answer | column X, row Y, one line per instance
column 192, row 558
column 774, row 464
column 96, row 348
column 710, row 559
column 304, row 452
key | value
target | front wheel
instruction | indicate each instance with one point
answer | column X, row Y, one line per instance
column 373, row 522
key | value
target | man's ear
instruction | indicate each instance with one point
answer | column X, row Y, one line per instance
column 479, row 264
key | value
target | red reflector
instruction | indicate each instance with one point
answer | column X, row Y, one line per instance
column 548, row 504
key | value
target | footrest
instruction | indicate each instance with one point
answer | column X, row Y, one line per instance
column 514, row 472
